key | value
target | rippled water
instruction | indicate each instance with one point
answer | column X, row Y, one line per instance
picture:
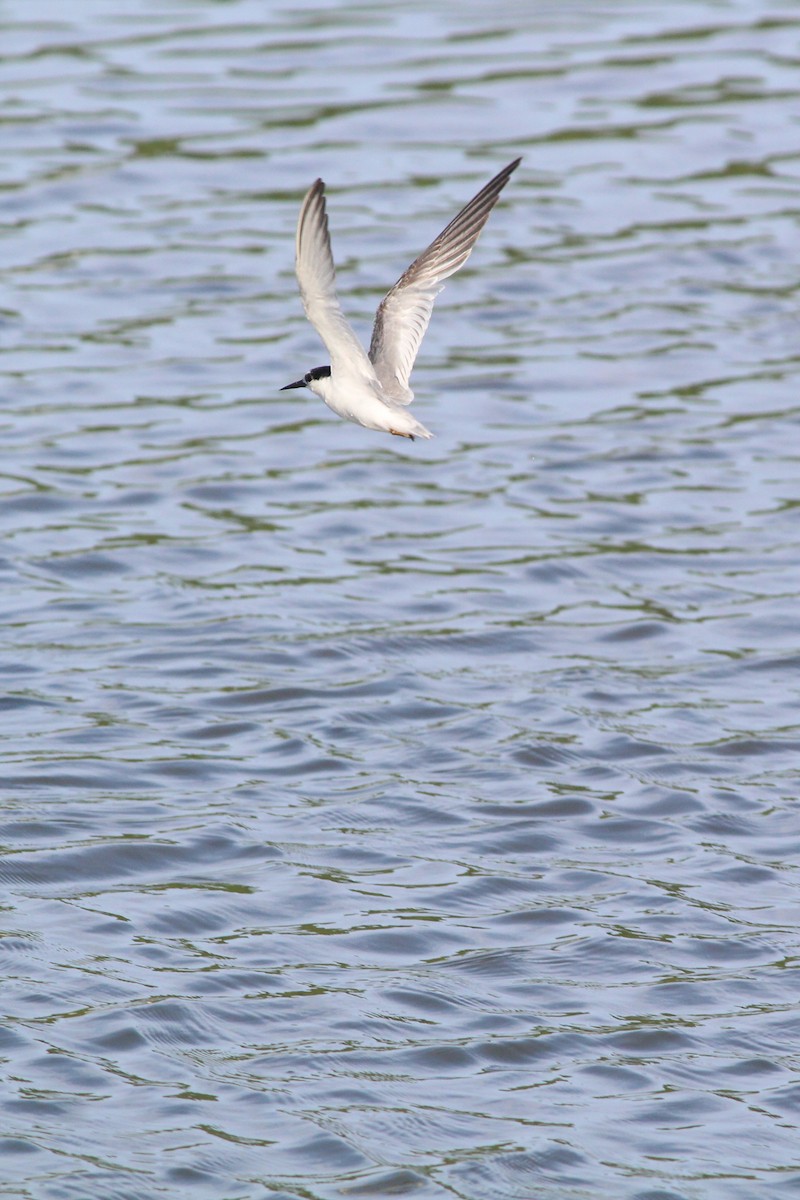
column 390, row 819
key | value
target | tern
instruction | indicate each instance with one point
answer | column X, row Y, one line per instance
column 372, row 389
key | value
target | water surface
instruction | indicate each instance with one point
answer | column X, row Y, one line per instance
column 390, row 819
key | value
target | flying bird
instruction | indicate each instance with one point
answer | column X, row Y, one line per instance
column 372, row 389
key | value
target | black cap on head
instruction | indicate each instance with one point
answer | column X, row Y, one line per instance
column 314, row 373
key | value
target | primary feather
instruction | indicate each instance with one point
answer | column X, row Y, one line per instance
column 404, row 313
column 316, row 276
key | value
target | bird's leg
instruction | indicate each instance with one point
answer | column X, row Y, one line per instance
column 397, row 433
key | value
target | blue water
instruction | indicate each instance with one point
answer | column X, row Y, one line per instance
column 389, row 819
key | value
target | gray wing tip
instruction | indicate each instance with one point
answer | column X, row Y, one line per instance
column 453, row 246
column 314, row 199
column 314, row 194
column 312, row 228
column 498, row 182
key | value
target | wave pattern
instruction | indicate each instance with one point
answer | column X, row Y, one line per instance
column 383, row 819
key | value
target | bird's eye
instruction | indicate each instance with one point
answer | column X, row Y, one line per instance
column 308, row 377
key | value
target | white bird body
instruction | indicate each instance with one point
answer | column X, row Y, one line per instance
column 364, row 400
column 372, row 390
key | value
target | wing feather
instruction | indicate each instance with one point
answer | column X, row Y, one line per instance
column 316, row 276
column 405, row 311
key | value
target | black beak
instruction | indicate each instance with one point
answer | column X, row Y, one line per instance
column 299, row 383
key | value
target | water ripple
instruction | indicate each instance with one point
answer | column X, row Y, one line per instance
column 382, row 818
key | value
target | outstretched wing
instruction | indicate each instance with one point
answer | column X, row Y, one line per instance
column 405, row 311
column 316, row 276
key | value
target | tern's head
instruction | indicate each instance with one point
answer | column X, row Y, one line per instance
column 311, row 379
